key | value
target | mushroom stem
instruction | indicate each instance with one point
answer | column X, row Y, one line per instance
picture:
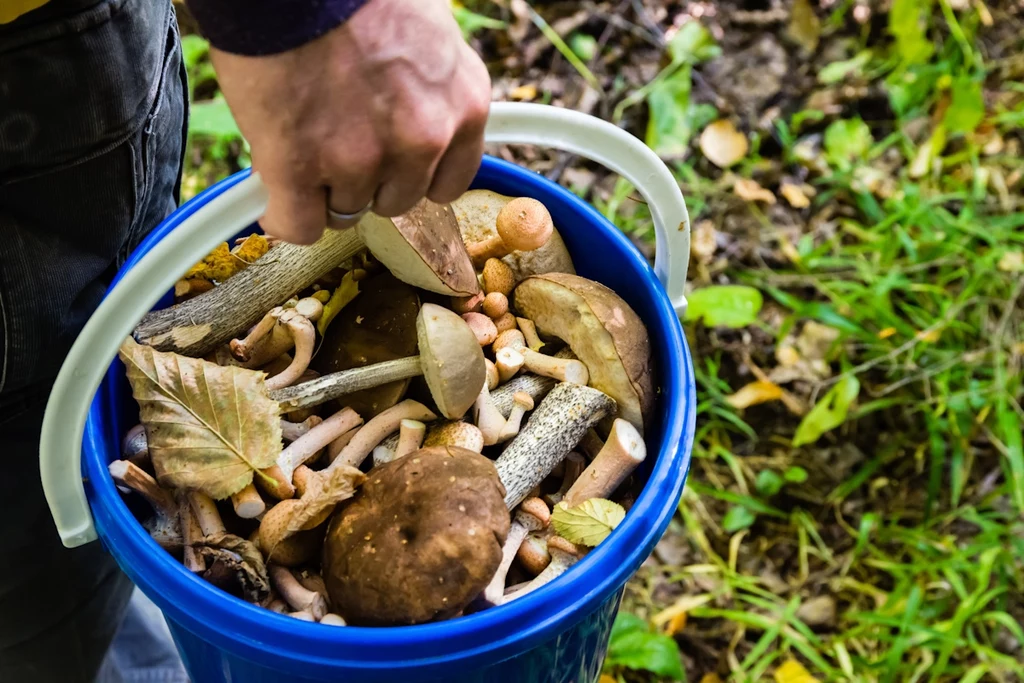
column 410, row 437
column 303, row 335
column 277, row 605
column 247, row 503
column 509, row 339
column 487, row 418
column 333, row 620
column 312, row 581
column 291, row 431
column 337, row 384
column 591, row 444
column 493, row 377
column 508, row 361
column 338, row 445
column 374, row 431
column 382, row 455
column 530, row 334
column 532, row 515
column 135, row 447
column 276, row 366
column 130, row 475
column 563, row 555
column 536, row 386
column 574, row 465
column 523, row 403
column 622, row 452
column 242, row 349
column 305, row 448
column 206, row 513
column 303, row 615
column 190, row 533
column 553, row 430
column 564, row 370
column 300, row 478
column 295, row 594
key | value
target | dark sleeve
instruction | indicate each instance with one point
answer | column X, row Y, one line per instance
column 261, row 27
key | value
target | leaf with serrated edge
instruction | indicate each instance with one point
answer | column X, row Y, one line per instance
column 588, row 523
column 208, row 427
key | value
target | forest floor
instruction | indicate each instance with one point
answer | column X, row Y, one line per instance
column 853, row 172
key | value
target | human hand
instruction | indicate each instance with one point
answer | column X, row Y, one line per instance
column 389, row 107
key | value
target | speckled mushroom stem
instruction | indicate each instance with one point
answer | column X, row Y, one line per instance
column 337, row 384
column 130, row 475
column 503, row 398
column 552, row 431
column 295, row 594
column 291, row 431
column 374, row 431
column 304, row 448
column 563, row 555
column 622, row 452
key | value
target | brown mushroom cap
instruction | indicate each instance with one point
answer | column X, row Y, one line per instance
column 422, row 247
column 420, row 541
column 477, row 215
column 601, row 329
column 451, row 358
column 524, row 224
column 378, row 325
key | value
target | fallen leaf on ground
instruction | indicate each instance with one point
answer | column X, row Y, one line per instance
column 816, row 340
column 588, row 523
column 677, row 624
column 703, row 241
column 208, row 427
column 830, row 411
column 793, row 671
column 751, row 191
column 818, row 611
column 722, row 144
column 710, row 678
column 794, row 195
column 754, row 394
column 804, row 25
column 524, row 92
column 1011, row 262
column 724, row 305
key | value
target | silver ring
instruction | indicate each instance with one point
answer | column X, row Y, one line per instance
column 338, row 216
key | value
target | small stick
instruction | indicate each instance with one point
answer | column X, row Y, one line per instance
column 622, row 452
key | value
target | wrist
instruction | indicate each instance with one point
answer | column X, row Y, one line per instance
column 264, row 27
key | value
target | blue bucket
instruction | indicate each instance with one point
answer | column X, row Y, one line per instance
column 558, row 633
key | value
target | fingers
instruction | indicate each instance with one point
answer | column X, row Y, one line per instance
column 295, row 209
column 457, row 168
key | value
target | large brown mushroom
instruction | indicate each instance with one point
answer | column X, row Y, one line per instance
column 477, row 214
column 420, row 541
column 378, row 325
column 450, row 360
column 602, row 331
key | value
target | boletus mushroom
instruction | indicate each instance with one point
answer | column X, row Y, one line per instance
column 421, row 540
column 450, row 360
column 602, row 331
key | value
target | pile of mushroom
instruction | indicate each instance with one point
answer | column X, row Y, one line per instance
column 409, row 421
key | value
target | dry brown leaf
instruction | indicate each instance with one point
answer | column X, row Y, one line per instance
column 208, row 427
column 722, row 144
column 238, row 561
column 751, row 191
column 804, row 25
column 1011, row 262
column 816, row 340
column 753, row 394
column 677, row 624
column 793, row 671
column 794, row 194
column 524, row 92
column 703, row 241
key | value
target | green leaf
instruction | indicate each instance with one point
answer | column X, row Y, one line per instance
column 724, row 305
column 209, row 427
column 837, row 71
column 768, row 483
column 693, row 44
column 847, row 139
column 669, row 126
column 470, row 22
column 738, row 517
column 588, row 523
column 633, row 646
column 796, row 475
column 584, row 45
column 908, row 24
column 967, row 107
column 193, row 49
column 829, row 412
column 213, row 117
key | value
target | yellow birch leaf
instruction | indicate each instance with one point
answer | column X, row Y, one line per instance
column 753, row 394
column 794, row 195
column 343, row 295
column 793, row 671
column 322, row 295
column 677, row 624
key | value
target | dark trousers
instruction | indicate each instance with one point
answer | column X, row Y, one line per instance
column 93, row 114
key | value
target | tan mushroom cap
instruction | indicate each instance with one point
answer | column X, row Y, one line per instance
column 601, row 329
column 477, row 213
column 451, row 358
column 422, row 247
column 524, row 223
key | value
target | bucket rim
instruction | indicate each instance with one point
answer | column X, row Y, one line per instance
column 607, row 567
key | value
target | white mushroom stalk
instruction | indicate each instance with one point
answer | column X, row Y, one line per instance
column 623, row 451
column 487, row 418
column 522, row 403
column 376, row 430
column 304, row 449
column 508, row 362
column 333, row 620
column 493, row 378
column 562, row 369
column 129, row 475
column 291, row 431
column 248, row 503
column 563, row 556
column 303, row 335
column 532, row 515
column 530, row 334
column 206, row 513
column 411, row 433
column 295, row 594
column 554, row 429
column 534, row 385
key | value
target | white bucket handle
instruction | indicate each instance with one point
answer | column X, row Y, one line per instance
column 60, row 447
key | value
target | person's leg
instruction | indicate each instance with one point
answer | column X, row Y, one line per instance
column 93, row 107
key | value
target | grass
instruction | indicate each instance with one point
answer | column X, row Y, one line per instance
column 863, row 519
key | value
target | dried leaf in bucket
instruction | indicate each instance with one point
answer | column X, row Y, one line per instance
column 208, row 427
column 234, row 560
column 588, row 523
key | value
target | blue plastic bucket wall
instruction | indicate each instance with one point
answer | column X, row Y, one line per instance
column 558, row 634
